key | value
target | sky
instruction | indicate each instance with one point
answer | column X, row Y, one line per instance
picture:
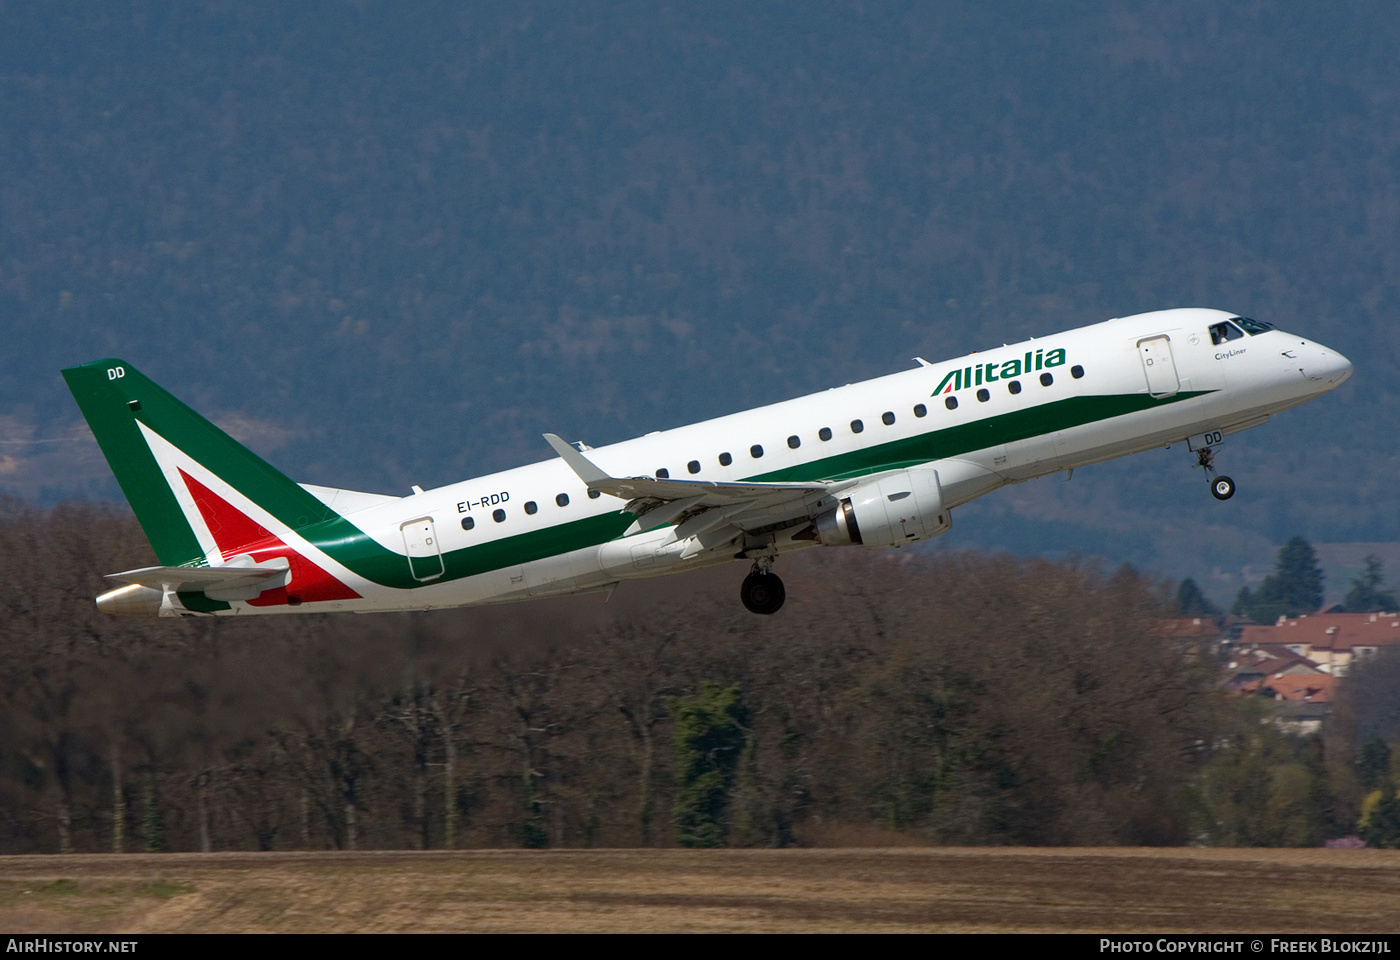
column 390, row 245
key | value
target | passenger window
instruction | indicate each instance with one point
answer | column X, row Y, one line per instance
column 1224, row 331
column 498, row 515
column 984, row 395
column 920, row 410
column 468, row 523
column 857, row 426
column 756, row 451
column 663, row 474
column 531, row 507
column 594, row 494
column 693, row 466
column 1046, row 379
column 951, row 403
column 1076, row 371
column 794, row 441
column 888, row 418
column 824, row 433
column 725, row 459
column 1014, row 386
column 562, row 499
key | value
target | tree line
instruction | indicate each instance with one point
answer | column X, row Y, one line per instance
column 900, row 697
column 1293, row 589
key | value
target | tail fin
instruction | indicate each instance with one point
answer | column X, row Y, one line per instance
column 166, row 457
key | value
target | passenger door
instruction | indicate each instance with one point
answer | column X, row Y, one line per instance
column 421, row 544
column 1158, row 366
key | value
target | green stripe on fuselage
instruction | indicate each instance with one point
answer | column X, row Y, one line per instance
column 968, row 437
column 199, row 603
column 344, row 542
column 349, row 546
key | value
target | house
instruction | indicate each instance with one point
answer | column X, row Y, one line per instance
column 1334, row 641
column 1301, row 687
column 1298, row 661
column 1248, row 671
column 1302, row 691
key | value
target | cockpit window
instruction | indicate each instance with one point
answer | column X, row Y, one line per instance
column 1220, row 332
column 1253, row 327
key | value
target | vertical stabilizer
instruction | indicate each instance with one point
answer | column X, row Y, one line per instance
column 164, row 454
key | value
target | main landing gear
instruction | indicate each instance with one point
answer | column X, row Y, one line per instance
column 762, row 591
column 1221, row 488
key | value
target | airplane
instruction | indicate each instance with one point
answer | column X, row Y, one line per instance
column 881, row 463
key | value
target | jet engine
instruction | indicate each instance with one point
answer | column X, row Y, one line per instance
column 899, row 508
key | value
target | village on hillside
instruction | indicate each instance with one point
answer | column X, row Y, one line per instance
column 1279, row 641
column 1295, row 660
column 1325, row 677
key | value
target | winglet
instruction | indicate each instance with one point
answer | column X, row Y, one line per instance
column 577, row 462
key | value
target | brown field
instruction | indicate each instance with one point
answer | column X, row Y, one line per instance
column 938, row 889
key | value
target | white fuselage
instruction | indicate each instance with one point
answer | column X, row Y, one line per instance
column 1217, row 388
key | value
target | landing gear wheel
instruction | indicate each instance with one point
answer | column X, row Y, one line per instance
column 762, row 592
column 1222, row 488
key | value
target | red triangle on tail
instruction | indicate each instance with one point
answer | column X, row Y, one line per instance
column 237, row 533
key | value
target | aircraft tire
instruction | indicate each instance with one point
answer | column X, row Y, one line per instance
column 762, row 593
column 1222, row 488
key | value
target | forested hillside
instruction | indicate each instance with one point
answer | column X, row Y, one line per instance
column 393, row 244
column 898, row 698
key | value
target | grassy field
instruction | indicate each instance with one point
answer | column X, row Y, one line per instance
column 941, row 889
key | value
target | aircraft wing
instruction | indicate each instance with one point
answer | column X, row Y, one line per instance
column 665, row 500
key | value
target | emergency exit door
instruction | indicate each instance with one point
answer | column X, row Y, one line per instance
column 1158, row 366
column 421, row 544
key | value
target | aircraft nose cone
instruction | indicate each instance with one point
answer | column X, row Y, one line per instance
column 1332, row 367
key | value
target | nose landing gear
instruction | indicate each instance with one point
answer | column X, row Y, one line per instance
column 1221, row 487
column 762, row 591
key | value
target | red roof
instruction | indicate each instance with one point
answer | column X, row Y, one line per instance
column 1329, row 631
column 1316, row 687
column 1271, row 656
column 1277, row 657
column 1251, row 670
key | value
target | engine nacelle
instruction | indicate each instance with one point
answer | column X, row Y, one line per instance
column 904, row 507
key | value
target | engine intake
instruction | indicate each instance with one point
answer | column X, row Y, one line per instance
column 900, row 508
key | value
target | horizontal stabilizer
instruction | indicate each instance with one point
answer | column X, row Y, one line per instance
column 241, row 580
